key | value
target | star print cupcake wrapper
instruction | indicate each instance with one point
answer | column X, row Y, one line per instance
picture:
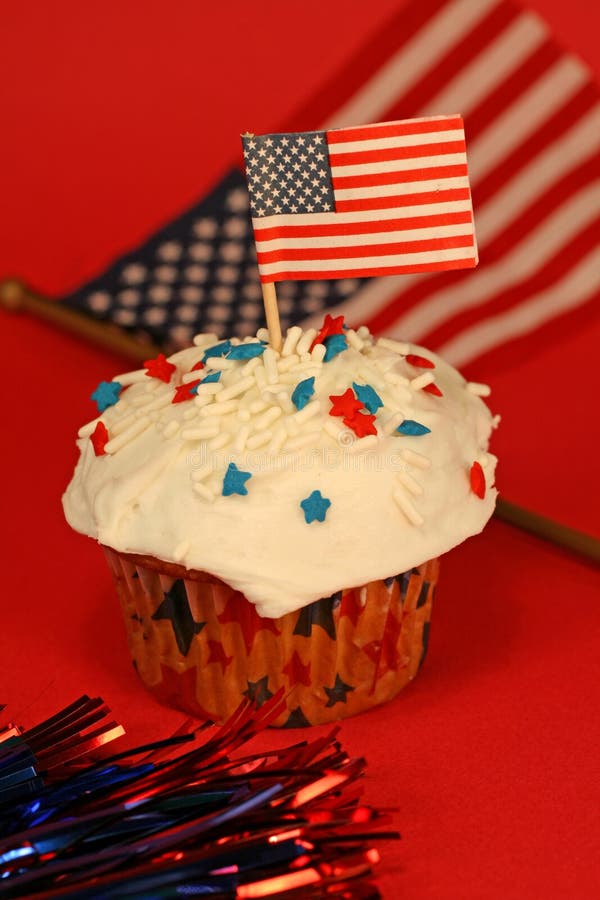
column 200, row 646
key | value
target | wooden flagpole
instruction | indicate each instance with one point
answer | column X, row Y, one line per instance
column 272, row 314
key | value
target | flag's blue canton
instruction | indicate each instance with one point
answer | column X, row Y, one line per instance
column 199, row 273
column 288, row 173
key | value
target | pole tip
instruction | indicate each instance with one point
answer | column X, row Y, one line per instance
column 12, row 295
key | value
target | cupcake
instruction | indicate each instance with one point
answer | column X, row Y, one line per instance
column 274, row 520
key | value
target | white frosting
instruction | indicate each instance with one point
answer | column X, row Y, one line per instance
column 396, row 501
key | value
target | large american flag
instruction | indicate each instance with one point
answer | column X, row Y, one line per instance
column 371, row 200
column 532, row 118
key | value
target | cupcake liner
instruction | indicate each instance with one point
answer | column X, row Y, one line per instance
column 200, row 646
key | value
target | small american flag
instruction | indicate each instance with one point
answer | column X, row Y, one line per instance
column 380, row 199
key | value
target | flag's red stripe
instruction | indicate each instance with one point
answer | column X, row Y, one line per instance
column 365, row 203
column 370, row 227
column 393, row 129
column 347, row 182
column 292, row 274
column 358, row 250
column 362, row 157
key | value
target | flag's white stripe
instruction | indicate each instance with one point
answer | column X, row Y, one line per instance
column 412, row 62
column 379, row 237
column 397, row 212
column 533, row 107
column 400, row 140
column 396, row 190
column 520, row 263
column 400, row 165
column 575, row 289
column 367, row 262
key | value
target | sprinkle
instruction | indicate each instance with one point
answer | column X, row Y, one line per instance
column 260, row 378
column 333, row 429
column 291, row 339
column 421, row 381
column 416, row 459
column 202, row 399
column 221, row 349
column 202, row 473
column 205, row 338
column 412, row 428
column 365, row 443
column 292, row 426
column 372, row 377
column 171, row 428
column 236, row 389
column 99, row 439
column 163, row 399
column 284, row 365
column 270, row 364
column 219, row 409
column 191, row 376
column 257, row 406
column 284, row 401
column 159, row 368
column 220, row 441
column 192, row 412
column 315, row 507
column 318, row 353
column 209, row 430
column 397, row 346
column 344, row 404
column 211, row 378
column 259, row 440
column 329, row 327
column 413, row 516
column 185, row 392
column 129, row 435
column 411, row 484
column 220, row 363
column 134, row 377
column 278, row 440
column 241, row 438
column 367, row 396
column 197, row 366
column 433, row 389
column 180, row 550
column 392, row 423
column 250, row 366
column 88, row 428
column 354, row 340
column 477, row 479
column 246, row 351
column 244, row 415
column 263, row 334
column 203, row 491
column 419, row 361
column 479, row 390
column 124, row 423
column 363, row 332
column 268, row 418
column 303, row 415
column 305, row 341
column 361, row 424
column 235, row 481
column 106, row 394
column 302, row 440
column 335, row 344
column 208, row 388
column 396, row 379
column 303, row 392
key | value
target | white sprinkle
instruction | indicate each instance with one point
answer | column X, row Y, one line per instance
column 192, row 376
column 203, row 399
column 234, row 390
column 292, row 426
column 171, row 428
column 164, row 400
column 318, row 352
column 305, row 341
column 209, row 387
column 257, row 406
column 251, row 365
column 126, row 422
column 243, row 415
column 139, row 400
column 311, row 409
column 134, row 431
column 131, row 377
column 298, row 374
column 88, row 428
column 158, row 425
column 190, row 413
column 260, row 378
column 333, row 429
column 279, row 436
column 241, row 438
column 354, row 340
column 291, row 339
column 270, row 363
column 201, row 433
column 203, row 491
column 200, row 340
column 416, row 459
column 268, row 418
column 220, row 364
column 305, row 357
column 202, row 473
column 397, row 346
column 407, row 508
column 422, row 380
column 384, row 364
column 220, row 409
column 180, row 550
column 411, row 484
column 395, row 378
column 284, row 364
column 285, row 402
column 262, row 334
column 302, row 440
column 220, row 440
column 258, row 440
column 363, row 332
column 479, row 390
column 365, row 443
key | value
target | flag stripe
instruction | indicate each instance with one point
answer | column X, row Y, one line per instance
column 415, row 142
column 426, row 175
column 342, row 249
column 458, row 193
column 362, row 268
column 434, row 165
column 346, row 139
column 374, row 155
column 346, row 224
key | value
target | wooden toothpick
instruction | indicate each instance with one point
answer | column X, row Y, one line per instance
column 272, row 314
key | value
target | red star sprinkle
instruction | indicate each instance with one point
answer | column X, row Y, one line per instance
column 199, row 365
column 99, row 439
column 296, row 670
column 477, row 479
column 419, row 361
column 185, row 391
column 159, row 368
column 361, row 424
column 345, row 404
column 330, row 326
column 433, row 389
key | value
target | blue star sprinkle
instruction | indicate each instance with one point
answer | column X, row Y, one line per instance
column 246, row 351
column 106, row 394
column 235, row 481
column 410, row 427
column 335, row 343
column 221, row 349
column 303, row 392
column 314, row 507
column 368, row 396
column 214, row 376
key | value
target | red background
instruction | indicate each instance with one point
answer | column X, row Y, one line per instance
column 491, row 756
